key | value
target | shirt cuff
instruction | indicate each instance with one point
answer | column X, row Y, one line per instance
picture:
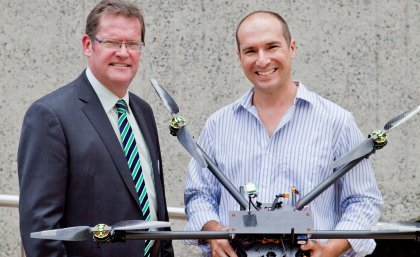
column 196, row 223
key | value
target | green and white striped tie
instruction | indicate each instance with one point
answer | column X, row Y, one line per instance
column 133, row 160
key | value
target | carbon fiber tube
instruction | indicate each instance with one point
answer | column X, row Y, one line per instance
column 176, row 235
column 362, row 234
column 233, row 191
column 328, row 182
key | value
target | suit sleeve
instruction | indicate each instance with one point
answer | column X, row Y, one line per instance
column 42, row 171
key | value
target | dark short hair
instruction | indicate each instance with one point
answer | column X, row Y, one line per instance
column 113, row 7
column 286, row 32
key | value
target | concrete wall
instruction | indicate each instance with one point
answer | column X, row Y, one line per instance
column 364, row 55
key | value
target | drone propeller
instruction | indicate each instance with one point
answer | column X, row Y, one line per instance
column 359, row 151
column 80, row 233
column 182, row 134
column 140, row 224
column 376, row 140
column 397, row 226
column 100, row 231
column 178, row 128
column 167, row 100
column 400, row 119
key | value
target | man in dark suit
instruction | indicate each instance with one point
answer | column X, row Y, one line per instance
column 73, row 170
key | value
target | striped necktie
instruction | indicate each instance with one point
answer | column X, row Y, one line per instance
column 133, row 160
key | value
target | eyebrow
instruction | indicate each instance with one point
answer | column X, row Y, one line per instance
column 115, row 39
column 246, row 49
column 268, row 44
column 274, row 43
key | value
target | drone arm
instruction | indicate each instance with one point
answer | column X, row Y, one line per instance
column 326, row 184
column 177, row 235
column 317, row 234
column 366, row 234
column 233, row 191
column 217, row 173
column 360, row 199
column 372, row 207
column 349, row 136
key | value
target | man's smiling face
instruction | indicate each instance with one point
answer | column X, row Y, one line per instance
column 265, row 55
column 115, row 69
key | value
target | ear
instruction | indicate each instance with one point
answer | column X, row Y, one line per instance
column 238, row 54
column 87, row 45
column 293, row 48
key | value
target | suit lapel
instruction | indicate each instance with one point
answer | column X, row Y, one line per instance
column 100, row 121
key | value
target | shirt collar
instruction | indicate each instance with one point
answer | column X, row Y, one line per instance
column 303, row 93
column 106, row 97
column 246, row 100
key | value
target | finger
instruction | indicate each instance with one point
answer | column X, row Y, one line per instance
column 222, row 248
column 217, row 252
column 229, row 249
column 308, row 246
column 220, row 253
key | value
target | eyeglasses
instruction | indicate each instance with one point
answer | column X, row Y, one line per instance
column 114, row 44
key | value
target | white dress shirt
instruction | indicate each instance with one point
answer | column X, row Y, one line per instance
column 108, row 101
column 311, row 135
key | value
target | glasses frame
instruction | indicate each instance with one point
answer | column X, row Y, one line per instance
column 93, row 37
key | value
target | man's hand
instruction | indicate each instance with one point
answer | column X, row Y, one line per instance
column 219, row 247
column 333, row 248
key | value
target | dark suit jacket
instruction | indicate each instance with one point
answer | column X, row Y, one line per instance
column 73, row 172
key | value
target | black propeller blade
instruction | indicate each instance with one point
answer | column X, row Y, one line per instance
column 400, row 119
column 398, row 226
column 376, row 140
column 139, row 224
column 167, row 100
column 183, row 136
column 81, row 233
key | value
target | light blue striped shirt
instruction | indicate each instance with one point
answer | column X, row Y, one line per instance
column 311, row 135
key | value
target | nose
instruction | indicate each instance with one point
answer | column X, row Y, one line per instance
column 123, row 51
column 263, row 59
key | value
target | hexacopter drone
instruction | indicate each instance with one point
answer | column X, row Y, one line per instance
column 269, row 229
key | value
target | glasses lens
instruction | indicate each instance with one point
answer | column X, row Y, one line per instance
column 133, row 46
column 111, row 44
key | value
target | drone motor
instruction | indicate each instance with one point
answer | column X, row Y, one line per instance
column 175, row 124
column 102, row 234
column 379, row 137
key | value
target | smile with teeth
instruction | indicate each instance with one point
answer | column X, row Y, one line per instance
column 265, row 73
column 120, row 65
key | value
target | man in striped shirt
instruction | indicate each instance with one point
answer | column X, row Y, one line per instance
column 279, row 135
